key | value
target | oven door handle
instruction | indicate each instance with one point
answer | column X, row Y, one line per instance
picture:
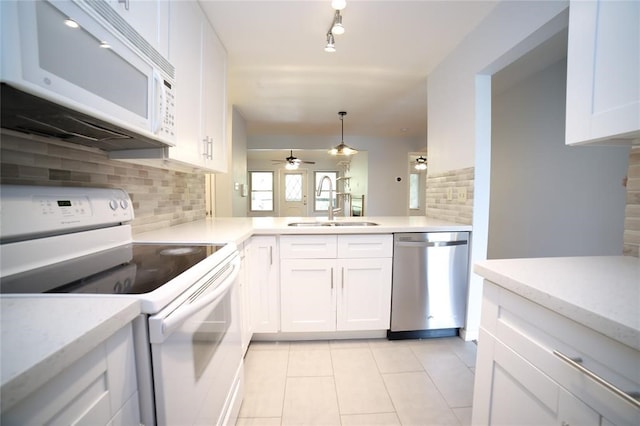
column 160, row 327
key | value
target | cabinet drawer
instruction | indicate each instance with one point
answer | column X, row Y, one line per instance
column 308, row 247
column 365, row 246
column 537, row 334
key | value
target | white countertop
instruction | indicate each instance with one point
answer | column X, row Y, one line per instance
column 222, row 230
column 41, row 335
column 600, row 292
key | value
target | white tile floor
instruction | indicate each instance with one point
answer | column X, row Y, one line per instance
column 359, row 382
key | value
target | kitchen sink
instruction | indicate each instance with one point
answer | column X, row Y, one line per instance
column 305, row 224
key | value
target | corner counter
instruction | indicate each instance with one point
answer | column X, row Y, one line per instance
column 43, row 335
column 599, row 292
column 559, row 341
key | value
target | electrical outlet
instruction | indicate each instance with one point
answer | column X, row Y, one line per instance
column 450, row 193
column 462, row 195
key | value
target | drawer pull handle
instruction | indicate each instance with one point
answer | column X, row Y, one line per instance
column 622, row 394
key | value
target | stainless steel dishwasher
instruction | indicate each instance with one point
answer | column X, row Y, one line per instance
column 430, row 281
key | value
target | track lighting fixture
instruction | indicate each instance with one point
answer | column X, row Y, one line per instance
column 342, row 148
column 336, row 27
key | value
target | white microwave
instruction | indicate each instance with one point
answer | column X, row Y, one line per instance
column 75, row 70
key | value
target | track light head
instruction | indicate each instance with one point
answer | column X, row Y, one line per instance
column 330, row 47
column 338, row 4
column 337, row 27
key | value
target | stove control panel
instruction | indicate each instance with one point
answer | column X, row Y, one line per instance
column 29, row 211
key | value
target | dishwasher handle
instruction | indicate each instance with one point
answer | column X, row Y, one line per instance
column 431, row 243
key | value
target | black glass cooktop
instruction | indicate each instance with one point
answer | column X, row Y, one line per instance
column 128, row 269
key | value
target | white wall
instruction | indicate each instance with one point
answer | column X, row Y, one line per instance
column 548, row 199
column 387, row 160
column 459, row 108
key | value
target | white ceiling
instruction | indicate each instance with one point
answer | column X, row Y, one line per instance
column 282, row 81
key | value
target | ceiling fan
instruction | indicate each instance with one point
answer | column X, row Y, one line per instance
column 292, row 162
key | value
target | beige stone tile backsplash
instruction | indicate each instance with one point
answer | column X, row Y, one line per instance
column 439, row 205
column 632, row 209
column 160, row 197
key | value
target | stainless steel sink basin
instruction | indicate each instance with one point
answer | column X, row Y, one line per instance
column 306, row 224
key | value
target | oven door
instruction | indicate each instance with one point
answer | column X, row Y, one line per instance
column 196, row 351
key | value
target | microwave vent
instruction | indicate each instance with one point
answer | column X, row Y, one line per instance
column 25, row 113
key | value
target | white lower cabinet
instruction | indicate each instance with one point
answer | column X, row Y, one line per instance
column 327, row 283
column 98, row 389
column 264, row 284
column 520, row 379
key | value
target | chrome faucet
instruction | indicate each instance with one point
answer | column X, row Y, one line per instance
column 330, row 194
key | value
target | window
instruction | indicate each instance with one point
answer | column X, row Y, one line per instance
column 321, row 203
column 261, row 191
column 414, row 191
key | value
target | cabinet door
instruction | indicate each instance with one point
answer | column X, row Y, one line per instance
column 264, row 285
column 149, row 17
column 364, row 294
column 308, row 294
column 603, row 65
column 185, row 52
column 511, row 391
column 214, row 100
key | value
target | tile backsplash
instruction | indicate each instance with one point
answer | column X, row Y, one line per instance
column 160, row 197
column 632, row 209
column 442, row 195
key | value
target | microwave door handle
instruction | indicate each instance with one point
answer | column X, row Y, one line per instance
column 161, row 327
column 159, row 99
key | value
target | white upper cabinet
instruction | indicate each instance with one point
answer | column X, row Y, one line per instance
column 149, row 17
column 200, row 60
column 603, row 73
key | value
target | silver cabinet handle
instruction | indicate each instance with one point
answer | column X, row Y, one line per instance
column 575, row 364
column 270, row 255
column 431, row 243
column 331, row 278
column 342, row 277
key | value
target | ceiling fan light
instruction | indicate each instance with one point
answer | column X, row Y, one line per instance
column 421, row 163
column 291, row 166
column 338, row 4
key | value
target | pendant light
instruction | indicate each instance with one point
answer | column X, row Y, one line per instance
column 342, row 148
column 421, row 163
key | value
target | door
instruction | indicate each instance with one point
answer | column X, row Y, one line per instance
column 293, row 194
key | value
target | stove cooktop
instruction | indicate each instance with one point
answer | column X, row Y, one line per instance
column 136, row 268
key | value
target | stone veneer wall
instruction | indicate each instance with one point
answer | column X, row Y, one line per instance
column 632, row 210
column 160, row 197
column 438, row 204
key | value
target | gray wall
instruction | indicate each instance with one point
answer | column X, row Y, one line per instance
column 548, row 199
column 228, row 196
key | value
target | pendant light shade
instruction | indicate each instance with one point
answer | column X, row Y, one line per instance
column 342, row 148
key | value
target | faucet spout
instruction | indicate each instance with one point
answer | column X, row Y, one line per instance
column 319, row 191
